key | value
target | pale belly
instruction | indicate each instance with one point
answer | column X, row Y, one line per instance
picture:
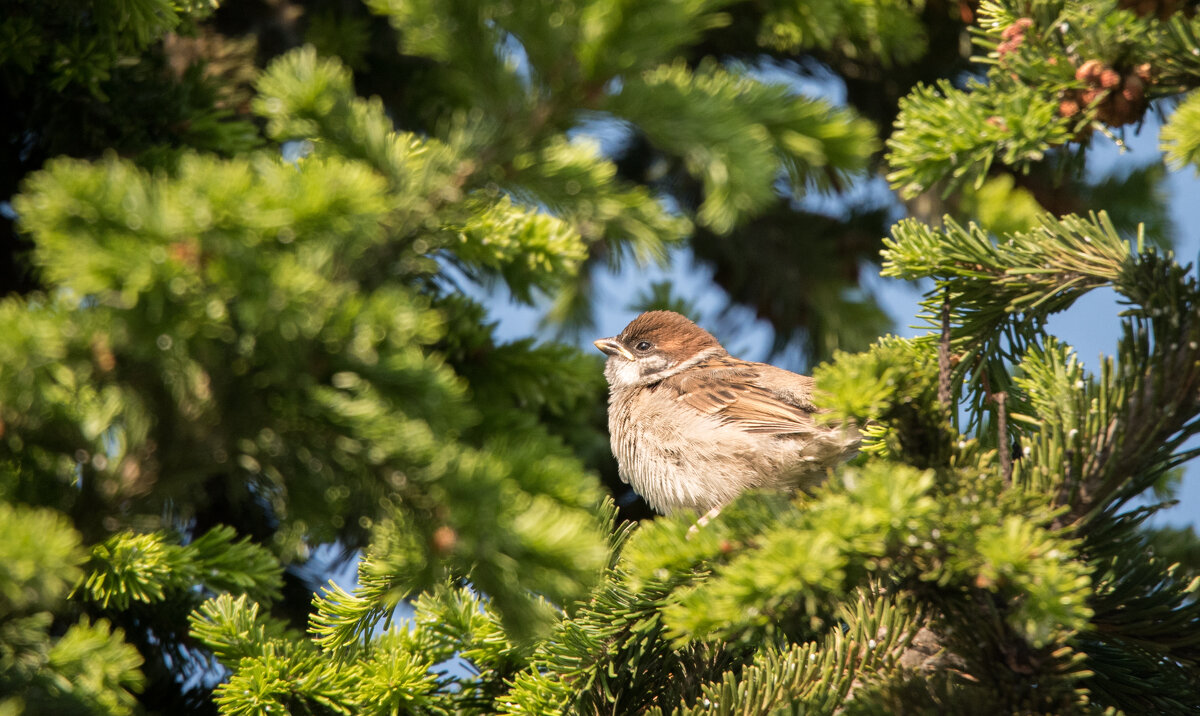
column 683, row 460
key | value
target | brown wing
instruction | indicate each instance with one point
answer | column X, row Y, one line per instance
column 746, row 395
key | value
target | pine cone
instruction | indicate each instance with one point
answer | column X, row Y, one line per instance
column 1119, row 98
column 1013, row 36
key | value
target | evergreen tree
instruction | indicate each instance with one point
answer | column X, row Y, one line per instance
column 280, row 344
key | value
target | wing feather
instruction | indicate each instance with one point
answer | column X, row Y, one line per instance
column 733, row 394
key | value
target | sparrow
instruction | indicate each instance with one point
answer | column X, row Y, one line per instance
column 692, row 427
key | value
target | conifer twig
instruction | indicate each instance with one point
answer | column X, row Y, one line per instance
column 1002, row 436
column 944, row 353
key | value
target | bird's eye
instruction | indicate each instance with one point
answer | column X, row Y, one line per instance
column 643, row 346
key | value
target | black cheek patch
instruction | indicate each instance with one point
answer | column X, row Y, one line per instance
column 650, row 367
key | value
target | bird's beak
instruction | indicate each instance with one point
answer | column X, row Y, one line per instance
column 613, row 347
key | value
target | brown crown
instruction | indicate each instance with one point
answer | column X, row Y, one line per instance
column 670, row 333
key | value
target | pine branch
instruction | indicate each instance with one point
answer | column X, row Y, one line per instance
column 274, row 669
column 528, row 249
column 888, row 30
column 1016, row 127
column 100, row 668
column 374, row 406
column 1055, row 74
column 892, row 391
column 611, row 651
column 39, row 560
column 51, row 665
column 576, row 182
column 1181, row 135
column 234, row 630
column 625, row 38
column 884, row 515
column 306, row 97
column 303, row 96
column 1003, row 290
column 735, row 135
column 820, row 677
column 147, row 568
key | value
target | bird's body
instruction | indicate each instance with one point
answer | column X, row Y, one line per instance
column 693, row 427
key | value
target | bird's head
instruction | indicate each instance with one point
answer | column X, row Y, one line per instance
column 654, row 346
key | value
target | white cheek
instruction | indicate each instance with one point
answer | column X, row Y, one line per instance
column 621, row 373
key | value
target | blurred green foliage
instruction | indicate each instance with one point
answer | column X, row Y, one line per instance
column 217, row 359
